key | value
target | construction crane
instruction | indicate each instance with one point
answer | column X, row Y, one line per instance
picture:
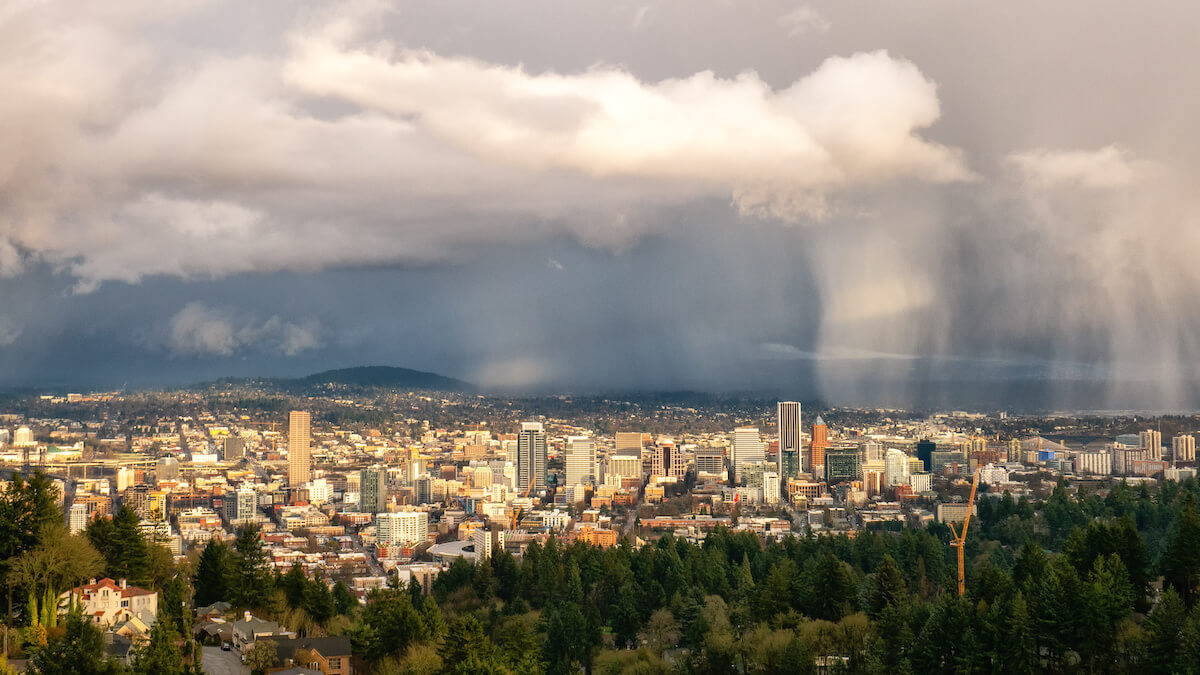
column 960, row 540
column 517, row 512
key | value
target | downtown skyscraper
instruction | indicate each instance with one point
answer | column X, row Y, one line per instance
column 299, row 448
column 531, row 458
column 790, row 457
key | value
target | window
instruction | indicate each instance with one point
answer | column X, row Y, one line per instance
column 335, row 662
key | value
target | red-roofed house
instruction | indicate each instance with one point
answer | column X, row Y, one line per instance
column 109, row 602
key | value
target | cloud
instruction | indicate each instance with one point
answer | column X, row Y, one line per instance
column 200, row 330
column 851, row 122
column 1106, row 168
column 123, row 155
column 803, row 20
column 9, row 332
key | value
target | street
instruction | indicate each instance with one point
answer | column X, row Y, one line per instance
column 217, row 662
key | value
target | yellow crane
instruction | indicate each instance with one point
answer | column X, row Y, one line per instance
column 517, row 512
column 960, row 540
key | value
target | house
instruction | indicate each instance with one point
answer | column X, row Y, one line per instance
column 250, row 629
column 329, row 655
column 110, row 602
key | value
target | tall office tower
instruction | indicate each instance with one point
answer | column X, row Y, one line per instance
column 579, row 461
column 372, row 490
column 710, row 461
column 747, row 447
column 241, row 506
column 423, row 490
column 842, row 465
column 1151, row 441
column 77, row 518
column 531, row 458
column 299, row 448
column 483, row 477
column 790, row 451
column 628, row 443
column 235, row 448
column 925, row 450
column 895, row 467
column 634, row 443
column 820, row 443
column 1183, row 449
column 668, row 459
column 872, row 451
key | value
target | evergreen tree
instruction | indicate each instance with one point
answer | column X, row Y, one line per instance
column 212, row 574
column 344, row 599
column 171, row 610
column 251, row 569
column 467, row 651
column 124, row 547
column 887, row 588
column 318, row 601
column 1164, row 630
column 79, row 650
column 1019, row 657
column 1180, row 563
column 159, row 656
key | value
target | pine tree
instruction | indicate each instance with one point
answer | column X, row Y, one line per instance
column 212, row 574
column 1164, row 628
column 159, row 655
column 887, row 588
column 251, row 569
column 1180, row 563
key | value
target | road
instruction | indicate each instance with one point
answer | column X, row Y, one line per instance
column 217, row 662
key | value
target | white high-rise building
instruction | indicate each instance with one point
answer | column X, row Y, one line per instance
column 770, row 487
column 125, row 478
column 319, row 491
column 747, row 447
column 402, row 528
column 1183, row 448
column 482, row 477
column 579, row 460
column 896, row 467
column 531, row 458
column 23, row 437
column 299, row 448
column 77, row 518
column 791, row 453
column 623, row 466
column 872, row 451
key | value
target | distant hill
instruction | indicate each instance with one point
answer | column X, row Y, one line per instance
column 385, row 376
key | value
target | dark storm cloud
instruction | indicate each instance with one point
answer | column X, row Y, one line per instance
column 891, row 202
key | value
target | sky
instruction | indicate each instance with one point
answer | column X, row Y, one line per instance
column 871, row 203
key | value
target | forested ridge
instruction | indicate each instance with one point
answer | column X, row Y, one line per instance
column 1075, row 584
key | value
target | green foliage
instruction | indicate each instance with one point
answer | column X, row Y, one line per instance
column 213, row 573
column 261, row 656
column 78, row 650
column 250, row 578
column 124, row 547
column 160, row 654
column 1180, row 562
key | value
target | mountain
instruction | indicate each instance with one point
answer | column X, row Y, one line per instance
column 385, row 376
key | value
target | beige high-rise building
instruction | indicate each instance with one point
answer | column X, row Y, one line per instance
column 299, row 448
column 1183, row 449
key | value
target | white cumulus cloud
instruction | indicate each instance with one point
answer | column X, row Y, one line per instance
column 201, row 330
